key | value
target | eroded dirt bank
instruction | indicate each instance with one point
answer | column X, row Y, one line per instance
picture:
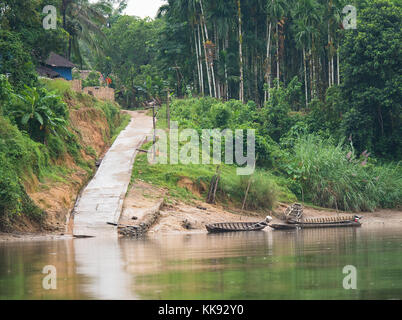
column 57, row 198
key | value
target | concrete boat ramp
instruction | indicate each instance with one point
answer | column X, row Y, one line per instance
column 102, row 199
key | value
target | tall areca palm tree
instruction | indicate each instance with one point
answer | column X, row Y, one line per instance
column 334, row 20
column 307, row 14
column 241, row 85
column 222, row 14
column 276, row 9
column 303, row 41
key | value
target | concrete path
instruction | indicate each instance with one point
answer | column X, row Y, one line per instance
column 102, row 200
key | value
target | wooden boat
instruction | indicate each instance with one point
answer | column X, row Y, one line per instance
column 237, row 226
column 294, row 212
column 338, row 222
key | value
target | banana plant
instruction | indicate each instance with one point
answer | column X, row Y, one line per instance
column 36, row 113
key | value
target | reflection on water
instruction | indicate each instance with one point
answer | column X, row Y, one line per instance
column 305, row 264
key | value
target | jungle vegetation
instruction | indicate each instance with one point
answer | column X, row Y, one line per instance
column 325, row 100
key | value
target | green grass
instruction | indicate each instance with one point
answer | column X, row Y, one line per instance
column 265, row 188
column 263, row 193
column 60, row 86
column 124, row 121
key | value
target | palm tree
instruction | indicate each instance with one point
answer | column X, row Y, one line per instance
column 241, row 88
column 276, row 9
column 83, row 21
column 222, row 15
column 308, row 17
column 208, row 51
column 303, row 40
column 335, row 18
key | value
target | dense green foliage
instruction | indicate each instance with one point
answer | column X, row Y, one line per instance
column 325, row 101
column 372, row 80
column 19, row 157
column 92, row 80
column 15, row 61
column 265, row 188
column 315, row 168
column 347, row 81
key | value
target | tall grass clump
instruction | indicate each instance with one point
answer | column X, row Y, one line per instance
column 334, row 176
column 60, row 86
column 262, row 193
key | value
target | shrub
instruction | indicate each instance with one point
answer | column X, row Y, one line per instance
column 92, row 80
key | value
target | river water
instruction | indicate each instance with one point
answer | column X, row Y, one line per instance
column 304, row 264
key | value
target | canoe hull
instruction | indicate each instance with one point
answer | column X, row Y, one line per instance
column 235, row 227
column 315, row 225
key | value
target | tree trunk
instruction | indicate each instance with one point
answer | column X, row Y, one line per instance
column 206, row 60
column 217, row 55
column 329, row 59
column 226, row 69
column 277, row 56
column 168, row 109
column 305, row 76
column 332, row 71
column 241, row 87
column 210, row 63
column 268, row 71
column 200, row 60
column 337, row 66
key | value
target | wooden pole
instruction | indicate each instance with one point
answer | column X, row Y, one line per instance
column 168, row 110
column 154, row 125
column 245, row 196
column 248, row 187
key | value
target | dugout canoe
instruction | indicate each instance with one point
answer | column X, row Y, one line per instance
column 237, row 226
column 355, row 222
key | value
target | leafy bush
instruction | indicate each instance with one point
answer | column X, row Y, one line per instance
column 15, row 60
column 92, row 80
column 40, row 113
column 112, row 113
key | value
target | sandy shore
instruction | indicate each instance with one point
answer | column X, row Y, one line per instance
column 146, row 204
column 143, row 202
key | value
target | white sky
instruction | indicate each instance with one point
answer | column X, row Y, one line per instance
column 143, row 8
